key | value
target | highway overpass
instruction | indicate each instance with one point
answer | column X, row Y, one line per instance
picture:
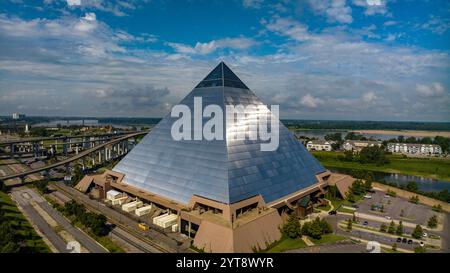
column 73, row 158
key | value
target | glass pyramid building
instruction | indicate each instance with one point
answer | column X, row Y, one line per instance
column 225, row 171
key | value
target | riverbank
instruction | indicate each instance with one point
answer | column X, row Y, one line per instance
column 436, row 168
column 406, row 133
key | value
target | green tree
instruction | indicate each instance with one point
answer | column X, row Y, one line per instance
column 383, row 227
column 417, row 232
column 349, row 224
column 432, row 222
column 373, row 154
column 42, row 186
column 348, row 156
column 334, row 137
column 412, row 186
column 350, row 197
column 420, row 249
column 292, row 227
column 10, row 247
column 391, row 228
column 77, row 174
column 399, row 230
column 414, row 199
column 437, row 208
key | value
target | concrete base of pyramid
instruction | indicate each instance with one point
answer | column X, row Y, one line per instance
column 244, row 226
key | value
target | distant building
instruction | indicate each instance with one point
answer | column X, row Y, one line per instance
column 357, row 145
column 17, row 116
column 414, row 148
column 319, row 145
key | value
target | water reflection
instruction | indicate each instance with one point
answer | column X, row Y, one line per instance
column 424, row 183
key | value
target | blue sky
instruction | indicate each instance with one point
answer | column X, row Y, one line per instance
column 317, row 59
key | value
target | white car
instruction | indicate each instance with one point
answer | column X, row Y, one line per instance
column 386, row 196
column 422, row 244
column 424, row 234
column 387, row 217
column 367, row 196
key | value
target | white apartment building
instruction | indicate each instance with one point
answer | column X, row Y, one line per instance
column 319, row 145
column 357, row 145
column 414, row 148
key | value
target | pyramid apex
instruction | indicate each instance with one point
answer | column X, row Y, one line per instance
column 223, row 76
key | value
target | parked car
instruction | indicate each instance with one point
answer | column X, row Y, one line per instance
column 422, row 244
column 399, row 240
column 333, row 212
column 425, row 234
column 368, row 196
column 372, row 191
column 404, row 240
column 410, row 242
column 387, row 217
column 355, row 206
column 366, row 223
column 387, row 196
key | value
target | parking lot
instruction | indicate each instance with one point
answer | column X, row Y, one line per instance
column 393, row 207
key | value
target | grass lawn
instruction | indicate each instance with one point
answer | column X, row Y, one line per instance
column 347, row 210
column 438, row 168
column 25, row 231
column 286, row 244
column 326, row 207
column 328, row 238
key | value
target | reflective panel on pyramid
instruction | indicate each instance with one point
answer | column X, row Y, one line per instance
column 226, row 170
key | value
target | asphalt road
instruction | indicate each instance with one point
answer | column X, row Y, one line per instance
column 86, row 241
column 40, row 222
column 90, row 244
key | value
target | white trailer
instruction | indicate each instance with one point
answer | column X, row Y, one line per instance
column 119, row 201
column 143, row 211
column 175, row 228
column 155, row 219
column 166, row 220
column 169, row 221
column 112, row 194
column 129, row 207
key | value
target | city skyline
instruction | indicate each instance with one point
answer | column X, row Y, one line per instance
column 334, row 60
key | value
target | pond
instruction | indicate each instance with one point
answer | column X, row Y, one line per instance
column 424, row 184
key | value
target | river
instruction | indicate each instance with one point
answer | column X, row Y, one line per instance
column 425, row 184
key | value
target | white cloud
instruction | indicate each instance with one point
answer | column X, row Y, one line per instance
column 90, row 16
column 369, row 97
column 334, row 10
column 289, row 27
column 436, row 25
column 373, row 7
column 433, row 90
column 256, row 4
column 240, row 43
column 74, row 2
column 390, row 23
column 310, row 101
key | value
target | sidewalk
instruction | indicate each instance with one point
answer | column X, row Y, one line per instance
column 382, row 245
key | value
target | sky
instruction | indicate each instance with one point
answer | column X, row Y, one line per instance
column 317, row 59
